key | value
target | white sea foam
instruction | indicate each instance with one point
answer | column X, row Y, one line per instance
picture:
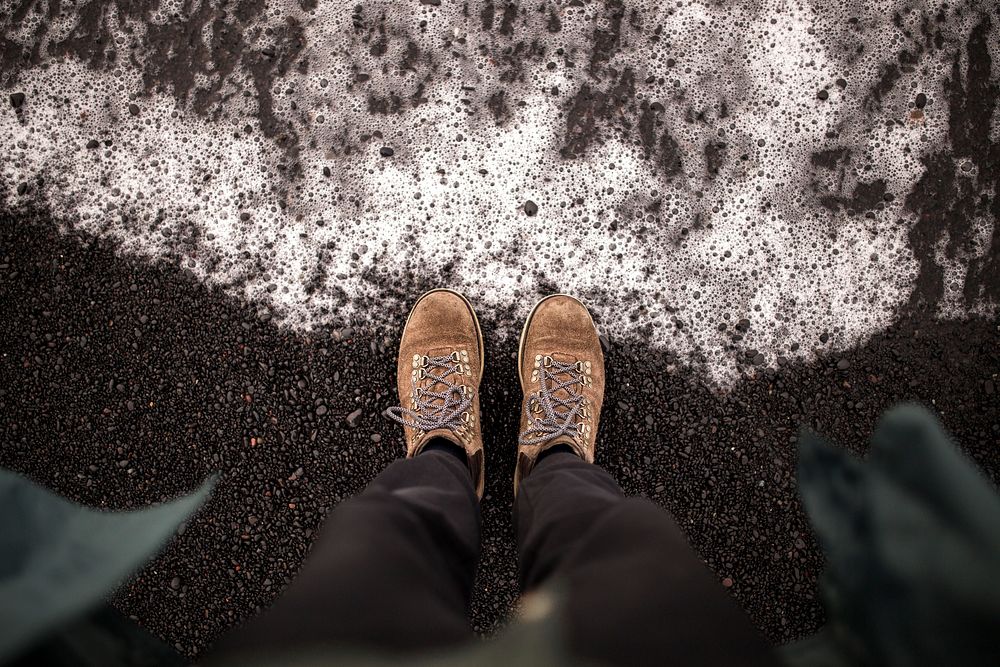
column 751, row 241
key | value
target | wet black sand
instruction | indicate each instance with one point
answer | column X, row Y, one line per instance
column 124, row 383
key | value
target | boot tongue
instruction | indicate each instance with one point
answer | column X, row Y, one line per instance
column 431, row 385
column 444, row 433
column 566, row 393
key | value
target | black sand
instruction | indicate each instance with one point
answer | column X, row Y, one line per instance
column 123, row 384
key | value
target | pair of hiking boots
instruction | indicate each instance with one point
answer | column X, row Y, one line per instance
column 440, row 366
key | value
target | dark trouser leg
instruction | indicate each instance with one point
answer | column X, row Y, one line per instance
column 392, row 567
column 636, row 593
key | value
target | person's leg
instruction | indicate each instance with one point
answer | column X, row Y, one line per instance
column 392, row 567
column 636, row 593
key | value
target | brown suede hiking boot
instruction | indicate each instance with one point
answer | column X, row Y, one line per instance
column 438, row 370
column 562, row 377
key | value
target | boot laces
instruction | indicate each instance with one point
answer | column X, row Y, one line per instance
column 433, row 408
column 551, row 415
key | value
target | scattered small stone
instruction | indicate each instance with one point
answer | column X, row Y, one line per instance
column 93, row 143
column 175, row 583
column 921, row 101
column 727, row 582
column 16, row 100
column 843, row 364
column 353, row 418
column 823, row 94
column 376, row 437
column 321, row 410
column 133, row 109
column 530, row 207
column 385, row 151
